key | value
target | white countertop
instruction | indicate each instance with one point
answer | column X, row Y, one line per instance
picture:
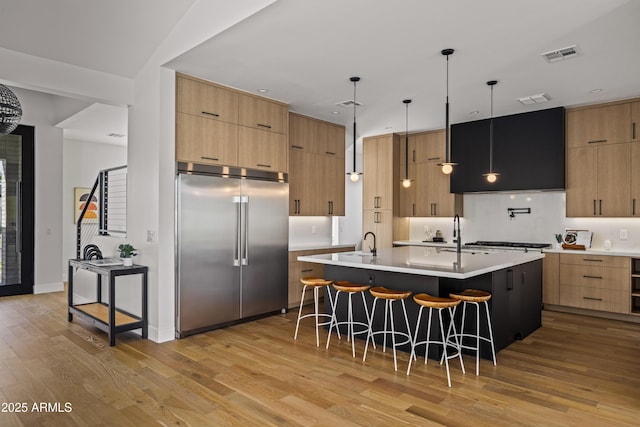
column 314, row 246
column 427, row 261
column 591, row 251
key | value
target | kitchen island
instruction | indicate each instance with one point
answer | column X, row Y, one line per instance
column 513, row 278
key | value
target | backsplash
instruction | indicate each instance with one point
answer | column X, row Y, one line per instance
column 486, row 217
column 310, row 230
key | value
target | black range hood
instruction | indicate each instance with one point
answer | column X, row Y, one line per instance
column 528, row 152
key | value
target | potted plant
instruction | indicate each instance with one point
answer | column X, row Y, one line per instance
column 558, row 240
column 127, row 252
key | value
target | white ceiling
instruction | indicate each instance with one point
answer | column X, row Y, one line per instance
column 304, row 52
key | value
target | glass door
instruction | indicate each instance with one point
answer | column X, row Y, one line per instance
column 17, row 211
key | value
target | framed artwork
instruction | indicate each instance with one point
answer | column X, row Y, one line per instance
column 80, row 199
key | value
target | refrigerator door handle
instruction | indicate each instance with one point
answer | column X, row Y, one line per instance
column 245, row 249
column 236, row 249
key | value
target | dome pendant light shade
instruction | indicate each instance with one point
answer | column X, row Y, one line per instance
column 353, row 175
column 10, row 111
column 447, row 165
column 491, row 176
column 406, row 182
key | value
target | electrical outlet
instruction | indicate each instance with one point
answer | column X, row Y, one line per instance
column 372, row 279
column 624, row 234
column 313, row 229
column 151, row 236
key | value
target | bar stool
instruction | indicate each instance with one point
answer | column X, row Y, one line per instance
column 317, row 285
column 431, row 302
column 389, row 296
column 475, row 297
column 350, row 289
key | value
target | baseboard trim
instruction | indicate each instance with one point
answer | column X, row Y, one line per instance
column 161, row 335
column 45, row 288
column 593, row 313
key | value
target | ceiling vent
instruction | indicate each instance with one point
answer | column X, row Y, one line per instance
column 559, row 54
column 534, row 99
column 349, row 103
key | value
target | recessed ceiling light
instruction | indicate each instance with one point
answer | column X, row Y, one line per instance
column 388, row 127
column 473, row 113
column 595, row 90
column 263, row 90
column 335, row 112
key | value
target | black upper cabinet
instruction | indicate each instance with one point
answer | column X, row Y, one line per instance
column 528, row 152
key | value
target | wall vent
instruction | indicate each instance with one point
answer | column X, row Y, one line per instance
column 560, row 54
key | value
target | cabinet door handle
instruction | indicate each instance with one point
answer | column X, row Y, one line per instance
column 633, row 209
column 592, row 299
column 524, row 277
column 211, row 114
column 591, row 260
column 509, row 280
column 414, row 156
column 600, row 203
column 299, row 147
column 435, row 209
column 264, row 126
column 595, row 141
column 594, row 208
column 298, row 206
column 633, row 130
column 263, row 165
column 413, row 208
column 330, row 153
column 433, row 158
column 592, row 277
column 209, row 158
column 307, row 270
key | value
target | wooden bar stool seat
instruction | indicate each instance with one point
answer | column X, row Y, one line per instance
column 389, row 296
column 437, row 303
column 350, row 289
column 475, row 297
column 317, row 284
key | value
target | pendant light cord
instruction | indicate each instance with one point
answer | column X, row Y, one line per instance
column 355, row 80
column 406, row 142
column 447, row 136
column 491, row 135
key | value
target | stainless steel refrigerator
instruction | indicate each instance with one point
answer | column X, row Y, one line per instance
column 232, row 246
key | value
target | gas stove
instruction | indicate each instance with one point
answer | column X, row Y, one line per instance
column 515, row 246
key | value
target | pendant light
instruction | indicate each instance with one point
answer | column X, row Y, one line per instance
column 447, row 166
column 491, row 176
column 10, row 111
column 406, row 182
column 354, row 176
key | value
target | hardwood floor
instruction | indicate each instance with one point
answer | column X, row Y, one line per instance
column 575, row 370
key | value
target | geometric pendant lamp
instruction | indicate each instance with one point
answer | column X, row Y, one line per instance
column 10, row 111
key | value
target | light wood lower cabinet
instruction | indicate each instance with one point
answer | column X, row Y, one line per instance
column 300, row 269
column 595, row 282
column 551, row 278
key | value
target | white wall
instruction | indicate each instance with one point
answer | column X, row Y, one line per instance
column 81, row 162
column 38, row 111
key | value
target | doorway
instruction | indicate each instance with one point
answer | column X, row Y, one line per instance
column 17, row 211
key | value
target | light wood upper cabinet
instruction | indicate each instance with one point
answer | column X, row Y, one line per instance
column 635, row 179
column 635, row 121
column 258, row 149
column 430, row 146
column 206, row 100
column 316, row 169
column 378, row 171
column 202, row 140
column 607, row 124
column 598, row 181
column 221, row 126
column 264, row 114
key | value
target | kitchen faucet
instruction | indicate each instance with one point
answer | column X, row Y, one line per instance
column 374, row 250
column 456, row 233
